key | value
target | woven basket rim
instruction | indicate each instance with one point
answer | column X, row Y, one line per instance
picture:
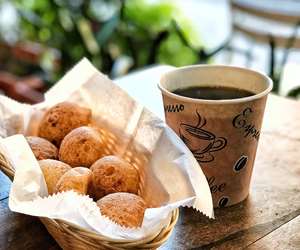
column 90, row 233
column 152, row 241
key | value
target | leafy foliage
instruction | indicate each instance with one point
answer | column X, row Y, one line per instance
column 106, row 31
column 295, row 92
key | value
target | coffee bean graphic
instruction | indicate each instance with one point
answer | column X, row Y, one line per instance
column 241, row 163
column 223, row 201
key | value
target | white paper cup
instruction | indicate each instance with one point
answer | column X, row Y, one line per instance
column 222, row 134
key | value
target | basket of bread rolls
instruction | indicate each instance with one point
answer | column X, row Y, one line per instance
column 95, row 185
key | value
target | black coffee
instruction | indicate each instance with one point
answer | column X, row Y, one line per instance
column 213, row 93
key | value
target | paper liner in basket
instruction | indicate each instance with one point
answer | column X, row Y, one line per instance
column 170, row 175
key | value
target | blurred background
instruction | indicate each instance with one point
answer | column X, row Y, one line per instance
column 40, row 40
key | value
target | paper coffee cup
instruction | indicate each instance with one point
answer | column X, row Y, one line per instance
column 222, row 134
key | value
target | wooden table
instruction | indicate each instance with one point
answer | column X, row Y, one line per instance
column 268, row 219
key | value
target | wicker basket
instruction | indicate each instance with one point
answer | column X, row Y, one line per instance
column 70, row 236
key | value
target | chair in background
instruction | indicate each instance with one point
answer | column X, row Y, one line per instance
column 263, row 16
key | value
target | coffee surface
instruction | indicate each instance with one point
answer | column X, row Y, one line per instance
column 213, row 93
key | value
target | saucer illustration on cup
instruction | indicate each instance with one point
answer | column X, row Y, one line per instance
column 201, row 142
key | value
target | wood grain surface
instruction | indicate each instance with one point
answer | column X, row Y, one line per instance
column 18, row 231
column 268, row 219
column 285, row 237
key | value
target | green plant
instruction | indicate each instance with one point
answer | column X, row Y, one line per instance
column 106, row 31
column 295, row 92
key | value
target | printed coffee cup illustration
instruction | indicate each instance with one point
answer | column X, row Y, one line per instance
column 200, row 141
column 217, row 111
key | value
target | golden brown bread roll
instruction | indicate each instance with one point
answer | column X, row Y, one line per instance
column 112, row 174
column 77, row 179
column 81, row 147
column 41, row 148
column 123, row 208
column 53, row 170
column 62, row 118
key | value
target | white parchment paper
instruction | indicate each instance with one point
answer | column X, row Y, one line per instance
column 172, row 176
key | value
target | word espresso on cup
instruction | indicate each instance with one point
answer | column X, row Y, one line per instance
column 240, row 122
column 217, row 111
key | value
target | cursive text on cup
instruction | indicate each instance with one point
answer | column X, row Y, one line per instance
column 214, row 187
column 174, row 108
column 240, row 122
